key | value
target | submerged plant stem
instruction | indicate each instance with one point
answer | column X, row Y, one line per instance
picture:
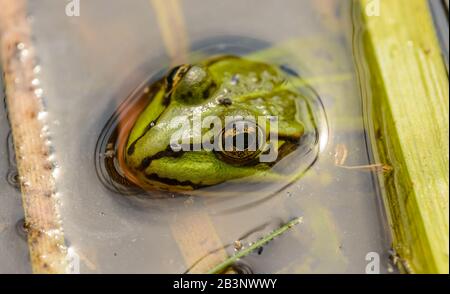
column 261, row 242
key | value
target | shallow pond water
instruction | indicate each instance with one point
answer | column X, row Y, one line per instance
column 92, row 62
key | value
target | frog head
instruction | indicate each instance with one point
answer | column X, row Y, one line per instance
column 220, row 99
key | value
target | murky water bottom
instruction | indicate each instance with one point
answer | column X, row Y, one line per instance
column 92, row 62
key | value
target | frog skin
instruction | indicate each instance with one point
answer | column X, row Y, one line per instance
column 219, row 86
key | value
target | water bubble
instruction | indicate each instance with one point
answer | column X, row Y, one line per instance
column 110, row 153
column 20, row 46
column 13, row 178
column 237, row 245
column 38, row 92
column 55, row 172
column 35, row 82
column 24, row 55
column 21, row 229
column 37, row 69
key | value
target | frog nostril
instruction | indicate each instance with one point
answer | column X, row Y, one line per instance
column 224, row 101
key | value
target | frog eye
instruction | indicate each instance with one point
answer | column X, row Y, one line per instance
column 175, row 75
column 194, row 86
column 241, row 142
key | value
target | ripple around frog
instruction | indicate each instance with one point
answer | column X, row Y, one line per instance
column 112, row 176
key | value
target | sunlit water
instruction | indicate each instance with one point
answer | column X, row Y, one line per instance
column 91, row 63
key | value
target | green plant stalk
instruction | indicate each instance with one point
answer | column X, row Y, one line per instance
column 409, row 108
column 261, row 242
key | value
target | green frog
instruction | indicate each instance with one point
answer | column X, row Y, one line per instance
column 220, row 87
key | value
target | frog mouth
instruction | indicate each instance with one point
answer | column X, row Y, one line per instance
column 169, row 183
